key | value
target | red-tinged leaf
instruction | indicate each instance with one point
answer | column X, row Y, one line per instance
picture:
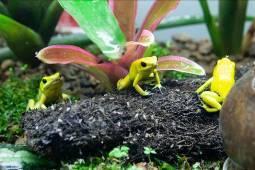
column 66, row 54
column 111, row 4
column 135, row 49
column 181, row 64
column 158, row 11
column 146, row 39
column 125, row 12
column 113, row 71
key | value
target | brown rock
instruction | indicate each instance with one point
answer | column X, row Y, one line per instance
column 237, row 119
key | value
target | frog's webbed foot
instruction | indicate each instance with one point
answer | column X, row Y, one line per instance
column 209, row 109
column 32, row 105
column 65, row 96
column 159, row 86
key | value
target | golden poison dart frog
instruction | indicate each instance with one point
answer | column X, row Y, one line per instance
column 50, row 92
column 220, row 84
column 140, row 69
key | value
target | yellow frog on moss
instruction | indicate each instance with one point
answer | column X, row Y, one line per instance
column 221, row 83
column 50, row 92
column 140, row 69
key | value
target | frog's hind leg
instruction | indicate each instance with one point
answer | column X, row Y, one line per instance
column 123, row 83
column 212, row 101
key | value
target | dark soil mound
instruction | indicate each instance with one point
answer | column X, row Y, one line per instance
column 172, row 123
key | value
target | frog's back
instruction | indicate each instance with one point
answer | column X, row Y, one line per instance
column 223, row 77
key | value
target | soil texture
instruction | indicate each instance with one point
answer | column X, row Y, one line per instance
column 171, row 122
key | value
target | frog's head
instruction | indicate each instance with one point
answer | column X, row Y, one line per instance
column 225, row 62
column 51, row 83
column 147, row 63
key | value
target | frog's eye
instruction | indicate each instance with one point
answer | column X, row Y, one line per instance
column 143, row 64
column 44, row 81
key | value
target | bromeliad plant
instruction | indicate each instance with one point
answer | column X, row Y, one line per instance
column 27, row 26
column 226, row 33
column 111, row 26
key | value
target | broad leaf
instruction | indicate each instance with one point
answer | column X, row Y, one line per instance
column 125, row 12
column 28, row 12
column 97, row 20
column 181, row 64
column 158, row 11
column 107, row 73
column 66, row 54
column 23, row 41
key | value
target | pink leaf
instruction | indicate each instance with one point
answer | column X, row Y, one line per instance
column 113, row 71
column 66, row 54
column 135, row 49
column 67, row 24
column 181, row 64
column 125, row 12
column 158, row 11
column 146, row 39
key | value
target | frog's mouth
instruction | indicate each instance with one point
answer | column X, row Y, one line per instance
column 57, row 83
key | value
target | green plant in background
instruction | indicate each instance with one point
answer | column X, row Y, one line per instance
column 149, row 151
column 14, row 93
column 116, row 37
column 27, row 26
column 226, row 33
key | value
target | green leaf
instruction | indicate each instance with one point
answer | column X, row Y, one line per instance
column 23, row 41
column 148, row 151
column 50, row 20
column 28, row 12
column 119, row 152
column 97, row 20
column 232, row 15
column 213, row 29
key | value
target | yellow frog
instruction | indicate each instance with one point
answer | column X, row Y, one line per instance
column 221, row 83
column 140, row 69
column 50, row 91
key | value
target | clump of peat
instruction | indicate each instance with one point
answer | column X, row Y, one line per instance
column 171, row 122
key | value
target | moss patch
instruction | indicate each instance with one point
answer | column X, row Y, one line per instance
column 14, row 94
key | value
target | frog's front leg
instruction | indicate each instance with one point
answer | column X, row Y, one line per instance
column 41, row 103
column 137, row 87
column 212, row 101
column 158, row 85
column 204, row 86
column 30, row 105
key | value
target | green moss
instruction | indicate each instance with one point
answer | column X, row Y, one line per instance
column 14, row 94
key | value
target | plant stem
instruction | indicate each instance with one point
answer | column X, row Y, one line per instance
column 213, row 29
column 189, row 20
